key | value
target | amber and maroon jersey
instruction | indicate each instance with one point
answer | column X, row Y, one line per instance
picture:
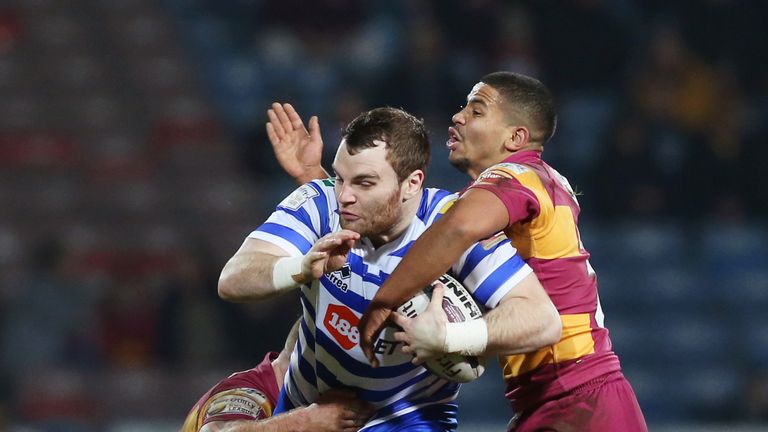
column 246, row 395
column 543, row 217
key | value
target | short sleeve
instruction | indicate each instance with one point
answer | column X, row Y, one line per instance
column 520, row 201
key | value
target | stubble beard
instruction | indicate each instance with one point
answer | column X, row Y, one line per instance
column 379, row 219
column 461, row 163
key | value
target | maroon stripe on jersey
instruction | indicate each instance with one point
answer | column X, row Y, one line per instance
column 521, row 203
column 567, row 282
column 262, row 378
column 549, row 179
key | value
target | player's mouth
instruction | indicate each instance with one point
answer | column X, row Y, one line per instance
column 453, row 138
column 348, row 216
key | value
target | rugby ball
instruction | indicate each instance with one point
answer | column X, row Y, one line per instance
column 459, row 306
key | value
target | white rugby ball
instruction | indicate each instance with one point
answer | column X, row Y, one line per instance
column 459, row 306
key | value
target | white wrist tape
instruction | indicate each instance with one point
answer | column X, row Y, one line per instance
column 466, row 338
column 287, row 274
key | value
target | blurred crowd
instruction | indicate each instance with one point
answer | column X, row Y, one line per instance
column 662, row 104
column 133, row 157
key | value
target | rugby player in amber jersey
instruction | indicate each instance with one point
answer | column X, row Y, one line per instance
column 245, row 402
column 497, row 138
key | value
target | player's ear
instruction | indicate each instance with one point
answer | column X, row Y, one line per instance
column 517, row 139
column 411, row 186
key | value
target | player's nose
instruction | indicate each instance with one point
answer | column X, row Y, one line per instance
column 346, row 196
column 458, row 118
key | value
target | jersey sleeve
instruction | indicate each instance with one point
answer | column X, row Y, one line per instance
column 435, row 207
column 298, row 221
column 239, row 403
column 501, row 180
column 490, row 269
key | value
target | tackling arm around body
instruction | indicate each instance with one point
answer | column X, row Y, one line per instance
column 524, row 320
column 336, row 410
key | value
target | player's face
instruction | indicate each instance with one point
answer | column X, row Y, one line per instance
column 368, row 191
column 476, row 139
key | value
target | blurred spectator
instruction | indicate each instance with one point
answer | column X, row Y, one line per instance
column 42, row 329
column 626, row 180
column 192, row 323
column 516, row 50
column 724, row 150
column 421, row 79
column 684, row 98
column 10, row 31
column 129, row 323
column 727, row 33
column 468, row 27
column 673, row 86
column 751, row 166
column 45, row 312
column 583, row 47
column 327, row 20
column 757, row 397
column 583, row 52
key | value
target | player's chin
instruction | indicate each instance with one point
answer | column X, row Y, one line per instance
column 458, row 161
column 358, row 226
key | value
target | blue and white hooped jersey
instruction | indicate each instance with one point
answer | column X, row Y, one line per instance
column 328, row 353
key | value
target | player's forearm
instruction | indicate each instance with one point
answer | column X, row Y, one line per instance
column 292, row 421
column 523, row 324
column 248, row 277
column 474, row 217
column 429, row 257
column 267, row 425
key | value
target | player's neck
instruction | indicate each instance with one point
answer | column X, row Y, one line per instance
column 475, row 169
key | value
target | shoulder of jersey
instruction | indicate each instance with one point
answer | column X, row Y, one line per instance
column 326, row 182
column 307, row 192
column 439, row 201
column 325, row 185
column 504, row 169
column 441, row 195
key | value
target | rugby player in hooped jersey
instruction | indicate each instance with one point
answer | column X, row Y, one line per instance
column 497, row 138
column 337, row 240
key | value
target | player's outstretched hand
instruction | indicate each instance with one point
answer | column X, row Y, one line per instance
column 338, row 410
column 329, row 253
column 298, row 150
column 424, row 335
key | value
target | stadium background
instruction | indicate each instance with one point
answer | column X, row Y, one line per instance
column 133, row 162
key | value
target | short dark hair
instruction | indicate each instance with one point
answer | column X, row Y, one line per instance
column 530, row 98
column 405, row 137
